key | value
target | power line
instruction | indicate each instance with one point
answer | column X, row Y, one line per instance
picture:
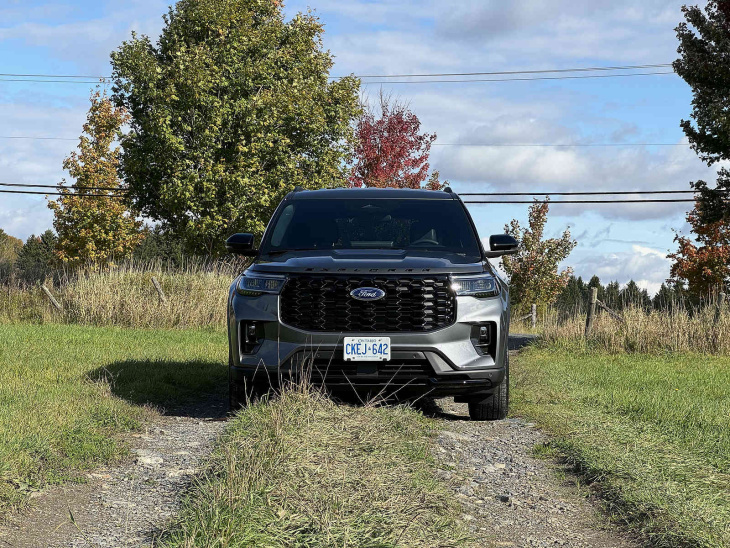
column 30, row 137
column 512, row 72
column 557, row 145
column 518, row 79
column 592, row 193
column 425, row 75
column 577, row 202
column 75, row 187
column 464, row 81
column 76, row 194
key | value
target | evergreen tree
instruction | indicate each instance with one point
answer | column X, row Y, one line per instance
column 36, row 257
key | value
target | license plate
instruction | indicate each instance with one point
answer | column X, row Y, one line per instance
column 367, row 349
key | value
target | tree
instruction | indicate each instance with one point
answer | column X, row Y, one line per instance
column 231, row 109
column 612, row 295
column 36, row 257
column 9, row 249
column 633, row 295
column 533, row 271
column 94, row 230
column 704, row 265
column 390, row 150
column 704, row 49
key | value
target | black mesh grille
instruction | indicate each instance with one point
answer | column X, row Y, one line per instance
column 323, row 303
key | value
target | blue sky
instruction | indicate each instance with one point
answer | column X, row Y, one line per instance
column 426, row 36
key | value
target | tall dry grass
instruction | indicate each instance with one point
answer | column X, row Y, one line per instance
column 124, row 296
column 656, row 331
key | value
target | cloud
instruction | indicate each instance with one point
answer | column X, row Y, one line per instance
column 647, row 266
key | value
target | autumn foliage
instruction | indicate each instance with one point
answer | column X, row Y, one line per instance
column 390, row 150
column 704, row 264
column 533, row 272
column 94, row 225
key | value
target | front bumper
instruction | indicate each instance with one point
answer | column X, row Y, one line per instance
column 442, row 362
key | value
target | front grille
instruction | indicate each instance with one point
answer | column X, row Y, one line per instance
column 411, row 304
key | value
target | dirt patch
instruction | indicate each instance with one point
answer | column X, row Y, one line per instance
column 510, row 497
column 124, row 505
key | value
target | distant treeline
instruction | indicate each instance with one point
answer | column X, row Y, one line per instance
column 576, row 296
column 35, row 260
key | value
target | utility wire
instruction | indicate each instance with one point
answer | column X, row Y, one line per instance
column 37, row 193
column 517, row 79
column 512, row 72
column 592, row 193
column 427, row 75
column 72, row 187
column 465, row 201
column 495, row 145
column 565, row 145
column 575, row 202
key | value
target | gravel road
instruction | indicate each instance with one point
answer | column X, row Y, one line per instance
column 123, row 505
column 509, row 497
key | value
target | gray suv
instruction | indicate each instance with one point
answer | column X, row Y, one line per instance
column 378, row 292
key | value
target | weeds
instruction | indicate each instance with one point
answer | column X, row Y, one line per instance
column 124, row 296
column 656, row 332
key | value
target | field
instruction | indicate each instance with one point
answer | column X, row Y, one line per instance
column 65, row 391
column 651, row 433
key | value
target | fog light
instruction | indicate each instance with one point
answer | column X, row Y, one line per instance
column 483, row 337
column 250, row 335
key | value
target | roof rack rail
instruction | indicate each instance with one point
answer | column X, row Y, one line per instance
column 448, row 189
column 298, row 188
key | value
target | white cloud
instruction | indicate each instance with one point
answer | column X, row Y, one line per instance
column 647, row 266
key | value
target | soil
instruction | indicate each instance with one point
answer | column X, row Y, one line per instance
column 125, row 505
column 509, row 496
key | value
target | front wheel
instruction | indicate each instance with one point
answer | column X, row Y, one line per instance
column 495, row 407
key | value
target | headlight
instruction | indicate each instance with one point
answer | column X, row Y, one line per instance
column 480, row 286
column 255, row 285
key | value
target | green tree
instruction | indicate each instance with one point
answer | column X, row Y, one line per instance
column 231, row 109
column 159, row 245
column 36, row 257
column 571, row 298
column 9, row 249
column 612, row 296
column 94, row 230
column 633, row 295
column 704, row 63
column 533, row 271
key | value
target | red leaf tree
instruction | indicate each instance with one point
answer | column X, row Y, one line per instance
column 390, row 150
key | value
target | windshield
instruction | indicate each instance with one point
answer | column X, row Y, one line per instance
column 410, row 224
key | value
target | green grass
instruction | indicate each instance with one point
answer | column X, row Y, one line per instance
column 302, row 471
column 651, row 432
column 65, row 391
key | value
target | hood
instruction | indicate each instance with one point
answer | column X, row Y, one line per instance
column 368, row 261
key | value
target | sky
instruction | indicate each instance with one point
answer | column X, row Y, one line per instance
column 371, row 37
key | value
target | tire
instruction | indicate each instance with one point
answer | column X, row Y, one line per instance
column 496, row 406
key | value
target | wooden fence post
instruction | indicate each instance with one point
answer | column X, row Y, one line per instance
column 54, row 302
column 719, row 306
column 158, row 287
column 533, row 313
column 591, row 311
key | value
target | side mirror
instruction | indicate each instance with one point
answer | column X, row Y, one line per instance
column 502, row 244
column 241, row 244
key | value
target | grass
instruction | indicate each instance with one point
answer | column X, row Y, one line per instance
column 303, row 471
column 650, row 432
column 654, row 332
column 124, row 296
column 65, row 391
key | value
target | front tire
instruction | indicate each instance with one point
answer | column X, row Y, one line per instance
column 496, row 406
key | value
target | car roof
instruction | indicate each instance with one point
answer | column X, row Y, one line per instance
column 371, row 194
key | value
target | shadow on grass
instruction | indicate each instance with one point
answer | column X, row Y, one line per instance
column 190, row 389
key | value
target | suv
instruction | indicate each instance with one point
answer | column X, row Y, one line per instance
column 380, row 292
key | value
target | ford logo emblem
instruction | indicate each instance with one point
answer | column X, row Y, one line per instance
column 367, row 294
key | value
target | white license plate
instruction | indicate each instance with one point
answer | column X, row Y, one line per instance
column 367, row 349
